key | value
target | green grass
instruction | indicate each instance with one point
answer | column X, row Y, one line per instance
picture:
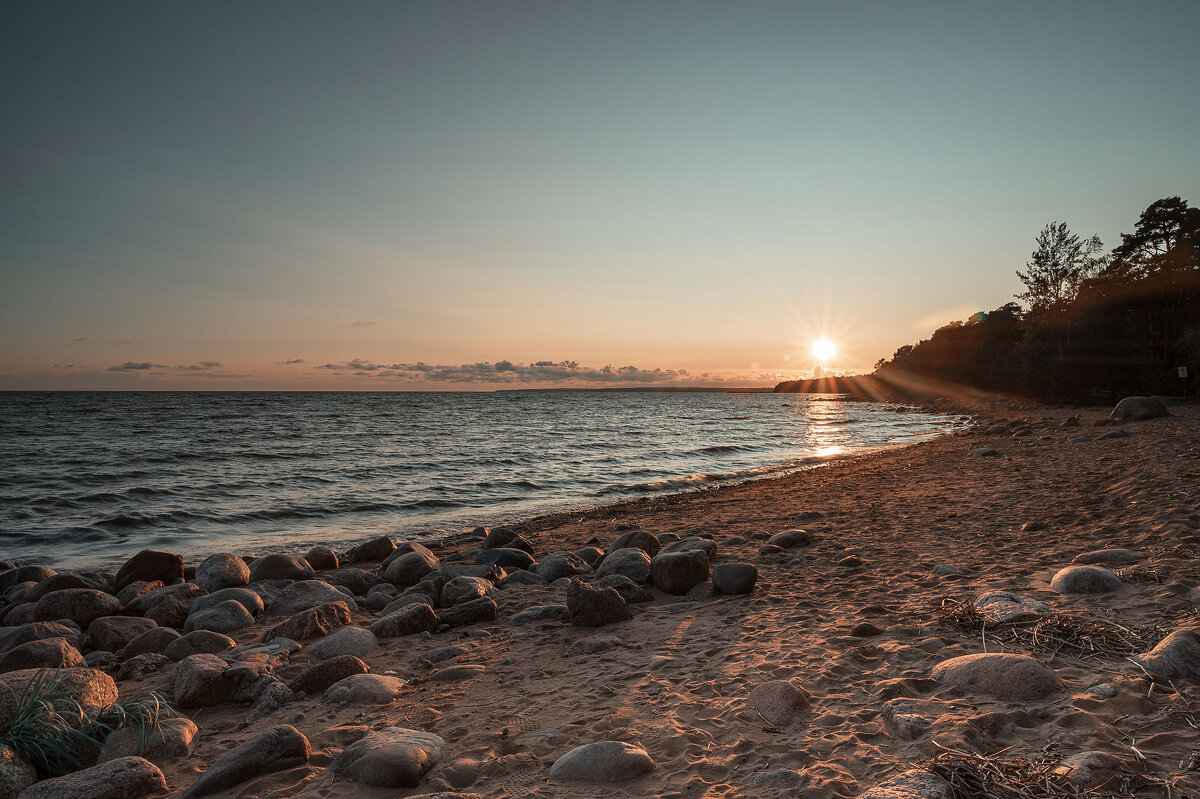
column 54, row 732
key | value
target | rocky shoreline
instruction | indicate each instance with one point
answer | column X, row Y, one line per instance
column 1019, row 594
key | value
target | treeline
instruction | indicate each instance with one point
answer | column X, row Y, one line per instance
column 1094, row 324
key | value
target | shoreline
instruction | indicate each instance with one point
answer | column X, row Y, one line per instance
column 858, row 618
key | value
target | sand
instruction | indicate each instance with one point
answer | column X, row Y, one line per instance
column 677, row 676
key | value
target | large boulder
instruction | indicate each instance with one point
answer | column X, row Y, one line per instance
column 408, row 620
column 23, row 574
column 200, row 681
column 167, row 740
column 150, row 565
column 122, row 778
column 277, row 749
column 734, row 578
column 604, row 761
column 638, row 539
column 594, row 605
column 1001, row 607
column 692, row 543
column 224, row 617
column 16, row 773
column 464, row 589
column 393, row 757
column 373, row 551
column 409, row 568
column 322, row 558
column 506, row 558
column 678, row 572
column 250, row 600
column 1136, row 409
column 777, row 702
column 357, row 580
column 633, row 562
column 46, row 653
column 363, row 689
column 913, row 784
column 153, row 641
column 307, row 594
column 999, row 674
column 143, row 604
column 222, row 570
column 560, row 564
column 80, row 605
column 319, row 676
column 1177, row 655
column 477, row 610
column 11, row 637
column 91, row 689
column 1085, row 580
column 280, row 567
column 312, row 623
column 356, row 641
column 113, row 633
column 198, row 642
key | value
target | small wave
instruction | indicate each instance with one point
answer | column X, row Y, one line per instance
column 723, row 448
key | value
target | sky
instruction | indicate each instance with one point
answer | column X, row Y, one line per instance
column 460, row 195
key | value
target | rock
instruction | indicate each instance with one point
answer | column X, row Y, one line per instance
column 439, row 655
column 637, row 539
column 946, row 570
column 407, row 599
column 137, row 667
column 627, row 588
column 406, row 621
column 200, row 681
column 356, row 641
column 361, row 689
column 982, row 452
column 322, row 558
column 1089, row 771
column 91, row 689
column 591, row 555
column 1177, row 655
column 250, row 600
column 221, row 571
column 224, row 617
column 408, row 569
column 150, row 565
column 735, row 578
column 458, row 673
column 633, row 562
column 21, row 613
column 1002, row 675
column 312, row 623
column 1136, row 409
column 914, row 784
column 277, row 749
column 604, row 761
column 306, row 594
column 80, row 605
column 11, row 637
column 135, row 590
column 501, row 537
column 1033, row 527
column 99, row 659
column 539, row 613
column 1085, row 580
column 198, row 642
column 465, row 589
column 359, row 582
column 902, row 721
column 113, row 633
column 522, row 578
column 777, row 702
column 865, row 629
column 23, row 574
column 477, row 610
column 488, row 571
column 315, row 679
column 692, row 544
column 373, row 551
column 506, row 558
column 561, row 564
column 595, row 606
column 145, row 603
column 55, row 582
column 678, row 572
column 171, row 611
column 280, row 567
column 123, row 778
column 779, row 778
column 999, row 607
column 394, row 757
column 1116, row 557
column 16, row 773
column 46, row 653
column 790, row 539
column 167, row 740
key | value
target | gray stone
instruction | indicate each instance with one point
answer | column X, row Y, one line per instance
column 277, row 749
column 168, row 739
column 150, row 565
column 627, row 588
column 91, row 689
column 638, row 539
column 522, row 578
column 312, row 623
column 112, row 633
column 280, row 567
column 983, row 452
column 361, row 689
column 200, row 681
column 224, row 617
column 999, row 607
column 250, row 600
column 632, row 562
column 1089, row 771
column 595, row 606
column 316, row 678
column 80, row 605
column 779, row 778
column 1116, row 557
column 356, row 641
column 1002, row 675
column 1085, row 580
column 914, row 784
column 1136, row 409
column 705, row 545
column 477, row 610
column 406, row 621
column 678, row 572
column 604, row 761
column 322, row 558
column 777, row 702
column 409, row 568
column 16, row 773
column 45, row 653
column 735, row 578
column 198, row 642
column 506, row 558
column 464, row 589
column 406, row 599
column 789, row 539
column 373, row 551
column 902, row 721
column 1177, row 655
column 393, row 757
column 220, row 571
column 144, row 603
column 359, row 582
column 123, row 778
column 305, row 594
column 11, row 637
column 539, row 613
column 560, row 564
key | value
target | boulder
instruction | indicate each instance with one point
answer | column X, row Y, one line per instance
column 250, row 600
column 394, row 757
column 522, row 578
column 277, row 749
column 406, row 621
column 11, row 637
column 1085, row 580
column 506, row 558
column 23, row 574
column 153, row 641
column 311, row 623
column 789, row 539
column 692, row 543
column 122, row 778
column 46, row 653
column 477, row 610
column 1000, row 607
column 1177, row 655
column 361, row 689
column 498, row 537
column 409, row 568
column 1115, row 557
column 200, row 681
column 735, row 578
column 150, row 565
column 358, row 581
column 356, row 641
column 224, row 617
column 998, row 674
column 280, row 567
column 322, row 558
column 777, row 702
column 307, row 594
column 144, row 603
column 678, row 572
column 373, row 551
column 316, row 678
column 113, row 633
column 91, row 689
column 637, row 539
column 560, row 564
column 539, row 613
column 465, row 589
column 604, row 761
column 80, row 605
column 1089, row 771
column 628, row 589
column 135, row 590
column 1136, row 409
column 198, row 642
column 220, row 571
column 168, row 739
column 16, row 773
column 913, row 784
column 633, row 562
column 596, row 606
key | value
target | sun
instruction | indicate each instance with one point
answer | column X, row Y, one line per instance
column 823, row 349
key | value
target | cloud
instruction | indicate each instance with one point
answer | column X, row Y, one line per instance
column 81, row 339
column 134, row 366
column 363, row 324
column 290, row 361
column 199, row 367
column 507, row 372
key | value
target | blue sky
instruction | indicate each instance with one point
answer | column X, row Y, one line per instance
column 214, row 190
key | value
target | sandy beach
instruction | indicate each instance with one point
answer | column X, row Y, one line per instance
column 856, row 617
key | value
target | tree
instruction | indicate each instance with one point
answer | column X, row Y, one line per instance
column 1057, row 268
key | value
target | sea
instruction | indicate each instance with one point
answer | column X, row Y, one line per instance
column 89, row 478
